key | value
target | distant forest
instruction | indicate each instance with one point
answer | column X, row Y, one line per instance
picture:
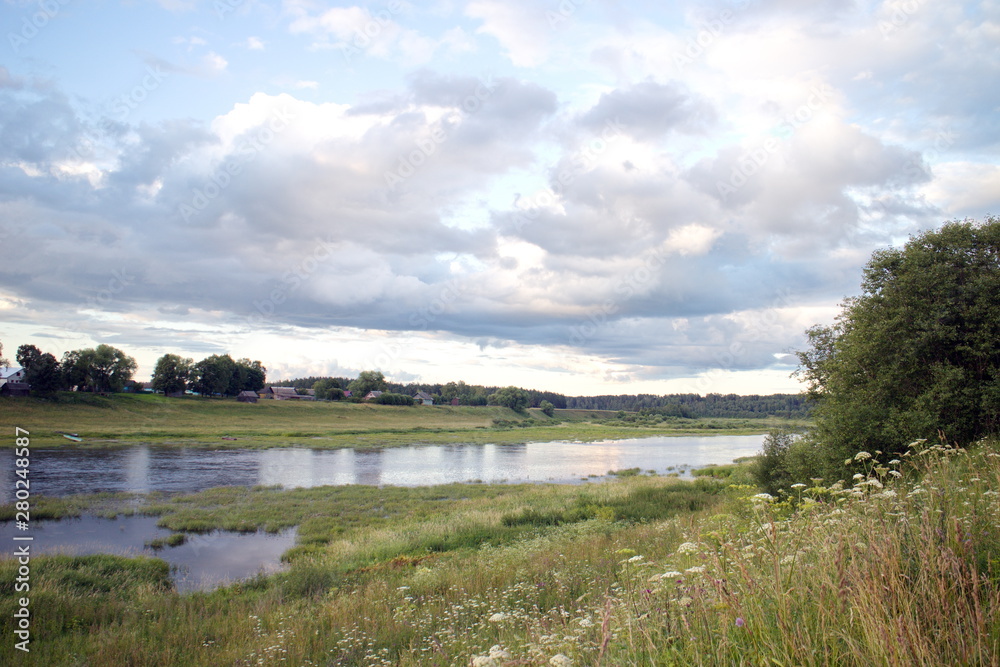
column 672, row 405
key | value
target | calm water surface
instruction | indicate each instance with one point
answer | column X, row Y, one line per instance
column 145, row 468
column 201, row 563
column 205, row 561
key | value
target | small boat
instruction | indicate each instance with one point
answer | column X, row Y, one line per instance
column 72, row 436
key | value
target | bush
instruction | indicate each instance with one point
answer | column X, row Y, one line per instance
column 394, row 399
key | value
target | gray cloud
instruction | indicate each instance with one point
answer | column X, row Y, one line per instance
column 649, row 110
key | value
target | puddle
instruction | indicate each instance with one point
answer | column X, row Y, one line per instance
column 203, row 562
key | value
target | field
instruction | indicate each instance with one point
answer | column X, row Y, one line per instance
column 128, row 418
column 900, row 566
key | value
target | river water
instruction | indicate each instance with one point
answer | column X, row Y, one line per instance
column 205, row 561
column 145, row 468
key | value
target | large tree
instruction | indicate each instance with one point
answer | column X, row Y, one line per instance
column 213, row 375
column 104, row 368
column 917, row 353
column 514, row 398
column 172, row 373
column 368, row 381
column 41, row 370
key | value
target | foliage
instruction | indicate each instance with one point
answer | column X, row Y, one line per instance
column 916, row 353
column 547, row 408
column 328, row 389
column 221, row 375
column 41, row 370
column 100, row 369
column 770, row 469
column 389, row 398
column 3, row 362
column 692, row 406
column 171, row 373
column 213, row 375
column 515, row 398
column 368, row 381
column 247, row 376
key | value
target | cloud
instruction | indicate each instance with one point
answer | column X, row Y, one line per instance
column 520, row 28
column 649, row 110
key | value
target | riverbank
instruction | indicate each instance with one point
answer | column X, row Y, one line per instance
column 124, row 419
column 640, row 570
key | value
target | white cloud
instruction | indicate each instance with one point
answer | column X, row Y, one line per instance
column 520, row 29
column 214, row 64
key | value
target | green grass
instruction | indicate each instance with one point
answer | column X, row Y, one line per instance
column 123, row 419
column 639, row 570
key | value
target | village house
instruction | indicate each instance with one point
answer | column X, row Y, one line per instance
column 247, row 396
column 372, row 395
column 423, row 398
column 11, row 374
column 279, row 393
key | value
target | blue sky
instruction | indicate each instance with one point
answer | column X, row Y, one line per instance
column 588, row 197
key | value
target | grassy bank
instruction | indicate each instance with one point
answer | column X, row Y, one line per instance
column 128, row 418
column 640, row 570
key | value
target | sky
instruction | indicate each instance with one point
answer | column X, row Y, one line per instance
column 581, row 196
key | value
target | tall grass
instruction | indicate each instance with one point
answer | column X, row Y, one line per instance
column 899, row 566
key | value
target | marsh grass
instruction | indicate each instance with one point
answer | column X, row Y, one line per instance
column 899, row 566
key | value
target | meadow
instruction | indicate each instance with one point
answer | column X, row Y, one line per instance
column 899, row 565
column 123, row 419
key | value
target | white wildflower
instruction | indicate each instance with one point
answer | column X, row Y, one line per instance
column 862, row 456
column 688, row 548
column 672, row 574
column 762, row 498
column 498, row 617
column 497, row 652
column 560, row 660
column 800, row 485
column 697, row 569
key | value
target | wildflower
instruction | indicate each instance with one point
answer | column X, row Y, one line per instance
column 688, row 548
column 560, row 660
column 858, row 475
column 740, row 622
column 862, row 456
column 762, row 498
column 634, row 559
column 799, row 485
column 497, row 652
column 697, row 569
column 672, row 574
column 895, row 473
column 498, row 617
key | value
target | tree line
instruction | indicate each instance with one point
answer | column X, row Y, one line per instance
column 696, row 406
column 106, row 369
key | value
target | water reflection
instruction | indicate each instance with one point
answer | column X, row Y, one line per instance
column 201, row 563
column 144, row 468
